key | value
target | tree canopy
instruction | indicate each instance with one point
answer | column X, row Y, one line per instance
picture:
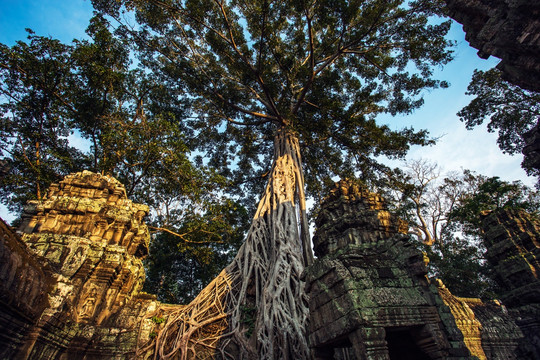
column 323, row 69
column 510, row 110
column 425, row 198
column 34, row 123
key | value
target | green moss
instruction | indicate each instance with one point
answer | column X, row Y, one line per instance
column 248, row 318
column 157, row 319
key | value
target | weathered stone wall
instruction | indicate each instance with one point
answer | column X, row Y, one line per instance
column 465, row 321
column 488, row 331
column 83, row 247
column 353, row 215
column 369, row 294
column 370, row 297
column 24, row 286
column 512, row 239
column 499, row 332
column 507, row 29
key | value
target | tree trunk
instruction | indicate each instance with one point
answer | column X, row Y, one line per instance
column 256, row 308
column 269, row 265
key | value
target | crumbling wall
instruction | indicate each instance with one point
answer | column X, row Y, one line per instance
column 83, row 246
column 512, row 239
column 488, row 330
column 369, row 294
column 24, row 286
column 465, row 320
column 370, row 297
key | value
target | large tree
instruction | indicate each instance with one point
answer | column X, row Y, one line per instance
column 34, row 122
column 308, row 79
column 427, row 199
column 424, row 197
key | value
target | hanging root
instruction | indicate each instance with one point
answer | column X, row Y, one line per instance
column 193, row 331
column 256, row 308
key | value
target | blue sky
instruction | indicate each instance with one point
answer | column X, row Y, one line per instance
column 457, row 148
column 61, row 19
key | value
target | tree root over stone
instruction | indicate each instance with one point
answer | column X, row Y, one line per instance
column 256, row 308
column 193, row 331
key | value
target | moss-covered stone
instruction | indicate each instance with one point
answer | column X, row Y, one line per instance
column 90, row 239
column 369, row 281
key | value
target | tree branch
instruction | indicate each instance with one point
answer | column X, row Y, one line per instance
column 313, row 74
column 183, row 236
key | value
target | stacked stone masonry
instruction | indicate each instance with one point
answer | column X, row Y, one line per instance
column 71, row 283
column 488, row 331
column 85, row 241
column 24, row 286
column 512, row 239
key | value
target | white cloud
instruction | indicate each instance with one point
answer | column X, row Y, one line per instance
column 475, row 149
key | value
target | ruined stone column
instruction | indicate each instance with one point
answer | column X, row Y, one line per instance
column 512, row 239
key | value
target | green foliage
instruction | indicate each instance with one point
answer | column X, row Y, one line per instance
column 51, row 91
column 423, row 197
column 206, row 240
column 492, row 195
column 444, row 214
column 462, row 266
column 34, row 121
column 324, row 69
column 510, row 110
column 157, row 320
column 100, row 88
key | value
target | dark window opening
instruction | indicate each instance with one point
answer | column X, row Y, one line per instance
column 402, row 346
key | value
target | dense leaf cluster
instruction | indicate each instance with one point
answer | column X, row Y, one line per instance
column 323, row 69
column 510, row 110
column 33, row 118
column 491, row 195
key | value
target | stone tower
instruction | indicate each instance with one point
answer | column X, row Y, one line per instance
column 512, row 239
column 85, row 241
column 369, row 294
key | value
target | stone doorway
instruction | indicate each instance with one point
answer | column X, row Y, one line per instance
column 403, row 346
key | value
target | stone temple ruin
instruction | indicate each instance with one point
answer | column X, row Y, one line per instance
column 70, row 282
column 370, row 297
column 71, row 279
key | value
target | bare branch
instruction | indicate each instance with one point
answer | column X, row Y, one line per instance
column 183, row 236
